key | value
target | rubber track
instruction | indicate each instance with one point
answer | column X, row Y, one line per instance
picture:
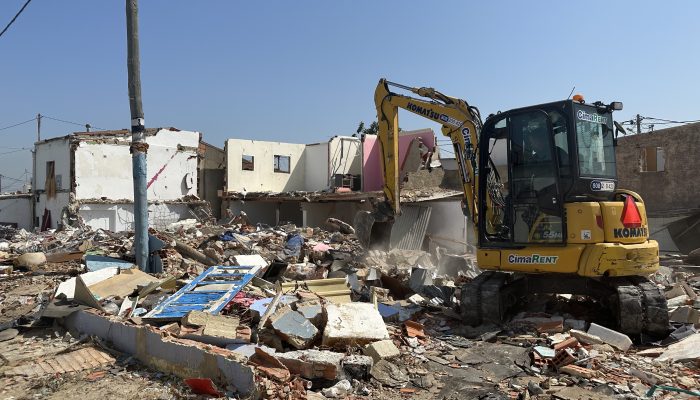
column 481, row 298
column 641, row 307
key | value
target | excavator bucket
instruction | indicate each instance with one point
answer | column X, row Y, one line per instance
column 373, row 228
column 363, row 223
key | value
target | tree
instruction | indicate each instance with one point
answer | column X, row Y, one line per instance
column 372, row 130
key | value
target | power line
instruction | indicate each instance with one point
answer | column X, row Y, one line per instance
column 71, row 122
column 21, row 123
column 671, row 121
column 14, row 151
column 15, row 17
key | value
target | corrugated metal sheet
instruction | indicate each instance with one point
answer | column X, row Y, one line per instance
column 409, row 228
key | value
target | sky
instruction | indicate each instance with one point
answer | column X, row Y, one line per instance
column 304, row 71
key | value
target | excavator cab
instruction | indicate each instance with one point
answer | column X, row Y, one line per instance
column 544, row 156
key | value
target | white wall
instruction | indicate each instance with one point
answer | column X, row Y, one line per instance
column 316, row 214
column 104, row 169
column 17, row 210
column 263, row 178
column 345, row 157
column 316, row 167
column 448, row 221
column 120, row 217
column 58, row 151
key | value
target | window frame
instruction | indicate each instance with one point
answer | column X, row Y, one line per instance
column 276, row 164
column 243, row 162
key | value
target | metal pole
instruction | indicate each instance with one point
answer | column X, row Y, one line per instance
column 139, row 147
column 38, row 127
column 639, row 124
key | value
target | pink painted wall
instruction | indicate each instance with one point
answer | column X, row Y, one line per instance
column 371, row 156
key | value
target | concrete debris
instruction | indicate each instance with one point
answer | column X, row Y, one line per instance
column 382, row 350
column 389, row 374
column 313, row 364
column 293, row 327
column 353, row 324
column 370, row 324
column 611, row 337
column 338, row 391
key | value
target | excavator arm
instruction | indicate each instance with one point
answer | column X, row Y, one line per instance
column 460, row 122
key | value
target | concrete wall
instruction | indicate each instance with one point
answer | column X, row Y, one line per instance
column 263, row 178
column 316, row 167
column 58, row 151
column 674, row 188
column 316, row 214
column 212, row 170
column 345, row 155
column 103, row 170
column 447, row 223
column 263, row 212
column 120, row 217
column 17, row 209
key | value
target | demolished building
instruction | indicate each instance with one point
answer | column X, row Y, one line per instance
column 88, row 174
column 661, row 167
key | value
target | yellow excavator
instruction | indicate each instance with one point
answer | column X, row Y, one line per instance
column 540, row 187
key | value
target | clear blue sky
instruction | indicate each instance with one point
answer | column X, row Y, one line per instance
column 302, row 71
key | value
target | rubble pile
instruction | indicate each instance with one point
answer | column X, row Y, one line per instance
column 252, row 311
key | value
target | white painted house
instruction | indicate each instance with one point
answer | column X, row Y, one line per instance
column 95, row 169
column 16, row 210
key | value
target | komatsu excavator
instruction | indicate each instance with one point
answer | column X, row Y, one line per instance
column 540, row 187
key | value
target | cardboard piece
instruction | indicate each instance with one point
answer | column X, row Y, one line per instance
column 122, row 283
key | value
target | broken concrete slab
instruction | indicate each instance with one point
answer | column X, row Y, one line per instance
column 611, row 337
column 388, row 374
column 584, row 337
column 382, row 350
column 353, row 324
column 219, row 330
column 686, row 349
column 313, row 311
column 294, row 328
column 684, row 314
column 313, row 364
column 179, row 357
column 201, row 318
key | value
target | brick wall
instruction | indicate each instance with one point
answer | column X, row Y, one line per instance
column 675, row 188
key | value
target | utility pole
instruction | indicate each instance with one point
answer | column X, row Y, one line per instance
column 139, row 147
column 639, row 124
column 38, row 127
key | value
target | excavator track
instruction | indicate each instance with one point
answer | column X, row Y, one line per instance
column 482, row 298
column 638, row 306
